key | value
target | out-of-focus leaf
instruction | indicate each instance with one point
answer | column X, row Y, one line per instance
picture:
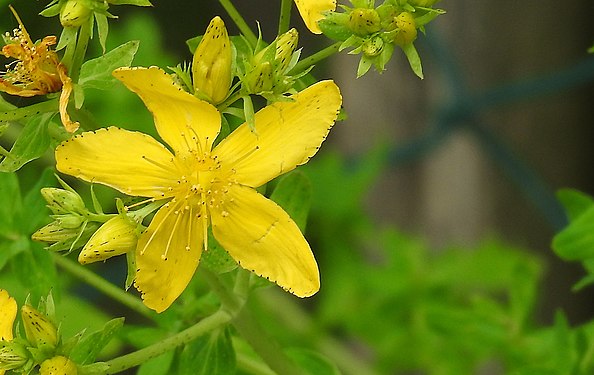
column 312, row 362
column 576, row 241
column 10, row 204
column 160, row 365
column 575, row 202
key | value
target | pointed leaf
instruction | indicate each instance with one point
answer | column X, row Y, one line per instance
column 576, row 241
column 413, row 59
column 96, row 73
column 31, row 143
column 90, row 346
column 294, row 193
column 575, row 202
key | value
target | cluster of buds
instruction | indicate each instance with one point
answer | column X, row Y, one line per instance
column 374, row 32
column 103, row 236
column 41, row 345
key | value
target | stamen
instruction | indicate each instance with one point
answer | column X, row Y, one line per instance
column 150, row 200
column 247, row 155
column 158, row 164
column 171, row 234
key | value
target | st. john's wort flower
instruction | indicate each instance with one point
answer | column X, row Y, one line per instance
column 205, row 186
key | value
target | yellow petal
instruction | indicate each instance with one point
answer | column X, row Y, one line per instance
column 168, row 253
column 286, row 135
column 311, row 12
column 8, row 311
column 132, row 162
column 182, row 120
column 262, row 238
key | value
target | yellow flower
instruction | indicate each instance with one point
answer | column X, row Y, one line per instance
column 36, row 70
column 312, row 11
column 8, row 311
column 208, row 186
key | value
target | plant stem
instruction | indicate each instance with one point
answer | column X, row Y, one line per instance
column 251, row 366
column 239, row 21
column 285, row 16
column 138, row 357
column 315, row 58
column 31, row 110
column 103, row 285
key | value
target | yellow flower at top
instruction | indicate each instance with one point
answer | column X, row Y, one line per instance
column 36, row 70
column 313, row 10
column 205, row 186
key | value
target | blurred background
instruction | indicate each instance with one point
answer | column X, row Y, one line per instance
column 475, row 151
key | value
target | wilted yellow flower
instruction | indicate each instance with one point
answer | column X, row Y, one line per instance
column 211, row 67
column 312, row 11
column 58, row 365
column 208, row 186
column 36, row 70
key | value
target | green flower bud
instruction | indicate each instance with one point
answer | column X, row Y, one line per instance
column 58, row 365
column 62, row 201
column 13, row 356
column 211, row 66
column 364, row 21
column 71, row 221
column 373, row 46
column 407, row 29
column 38, row 328
column 285, row 46
column 260, row 78
column 74, row 13
column 116, row 236
column 54, row 232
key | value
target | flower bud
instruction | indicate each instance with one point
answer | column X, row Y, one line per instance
column 13, row 356
column 285, row 46
column 74, row 13
column 260, row 78
column 58, row 365
column 407, row 28
column 373, row 46
column 38, row 328
column 116, row 236
column 364, row 21
column 54, row 232
column 61, row 201
column 69, row 221
column 211, row 66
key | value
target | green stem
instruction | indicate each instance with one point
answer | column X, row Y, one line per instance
column 239, row 21
column 82, row 42
column 285, row 16
column 216, row 320
column 248, row 365
column 103, row 285
column 230, row 100
column 315, row 58
column 31, row 110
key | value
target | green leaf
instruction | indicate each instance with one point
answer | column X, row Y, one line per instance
column 576, row 241
column 216, row 259
column 35, row 213
column 294, row 194
column 31, row 143
column 96, row 73
column 90, row 346
column 312, row 362
column 413, row 59
column 10, row 204
column 575, row 202
column 212, row 354
column 364, row 65
column 102, row 29
column 35, row 269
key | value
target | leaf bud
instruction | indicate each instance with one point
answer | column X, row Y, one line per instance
column 373, row 46
column 74, row 13
column 38, row 328
column 58, row 365
column 364, row 21
column 116, row 236
column 211, row 66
